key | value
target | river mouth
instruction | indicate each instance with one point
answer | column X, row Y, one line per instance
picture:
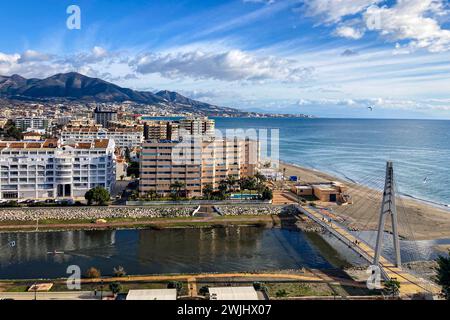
column 47, row 255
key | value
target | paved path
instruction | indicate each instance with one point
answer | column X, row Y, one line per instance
column 150, row 222
column 316, row 277
column 70, row 295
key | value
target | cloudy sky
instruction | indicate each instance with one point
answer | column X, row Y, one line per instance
column 329, row 58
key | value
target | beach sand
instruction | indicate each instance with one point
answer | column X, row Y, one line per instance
column 417, row 220
column 443, row 248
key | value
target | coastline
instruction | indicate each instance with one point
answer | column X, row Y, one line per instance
column 155, row 223
column 419, row 220
column 424, row 220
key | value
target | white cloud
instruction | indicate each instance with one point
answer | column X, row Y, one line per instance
column 333, row 11
column 416, row 22
column 31, row 55
column 33, row 63
column 233, row 65
column 349, row 32
column 413, row 20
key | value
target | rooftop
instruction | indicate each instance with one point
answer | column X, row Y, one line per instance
column 233, row 293
column 53, row 144
column 96, row 129
column 152, row 294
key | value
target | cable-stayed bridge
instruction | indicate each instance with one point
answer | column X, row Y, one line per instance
column 410, row 284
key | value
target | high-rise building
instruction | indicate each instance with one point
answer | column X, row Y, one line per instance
column 36, row 123
column 174, row 129
column 161, row 130
column 52, row 170
column 195, row 163
column 198, row 126
column 103, row 117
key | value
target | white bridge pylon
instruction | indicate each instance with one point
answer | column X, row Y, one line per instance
column 388, row 209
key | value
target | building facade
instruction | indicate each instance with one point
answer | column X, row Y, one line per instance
column 123, row 137
column 196, row 164
column 103, row 117
column 38, row 123
column 174, row 129
column 52, row 170
column 198, row 126
column 161, row 130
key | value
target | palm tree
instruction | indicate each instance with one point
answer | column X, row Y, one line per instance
column 443, row 275
column 176, row 188
column 242, row 182
column 151, row 194
column 231, row 181
column 208, row 190
column 392, row 287
column 260, row 177
column 223, row 188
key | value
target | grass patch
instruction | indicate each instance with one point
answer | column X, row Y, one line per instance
column 17, row 288
column 289, row 290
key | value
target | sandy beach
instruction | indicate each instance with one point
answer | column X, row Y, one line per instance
column 417, row 220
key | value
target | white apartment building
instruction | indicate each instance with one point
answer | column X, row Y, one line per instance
column 123, row 137
column 52, row 170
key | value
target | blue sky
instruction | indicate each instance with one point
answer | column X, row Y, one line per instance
column 329, row 58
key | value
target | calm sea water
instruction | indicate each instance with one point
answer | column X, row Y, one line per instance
column 357, row 149
column 162, row 251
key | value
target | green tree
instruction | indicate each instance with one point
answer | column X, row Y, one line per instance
column 98, row 195
column 231, row 181
column 115, row 287
column 392, row 287
column 176, row 189
column 127, row 155
column 267, row 194
column 175, row 285
column 260, row 177
column 281, row 293
column 443, row 275
column 223, row 188
column 11, row 131
column 151, row 194
column 203, row 290
column 133, row 169
column 208, row 191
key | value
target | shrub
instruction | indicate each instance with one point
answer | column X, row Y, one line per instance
column 281, row 293
column 93, row 273
column 115, row 287
column 175, row 285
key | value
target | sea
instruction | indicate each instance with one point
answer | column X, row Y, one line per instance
column 358, row 149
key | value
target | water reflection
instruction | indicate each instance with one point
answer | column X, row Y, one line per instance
column 160, row 251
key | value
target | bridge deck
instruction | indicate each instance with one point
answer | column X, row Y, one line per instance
column 409, row 283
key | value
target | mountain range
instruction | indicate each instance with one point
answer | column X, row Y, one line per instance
column 77, row 87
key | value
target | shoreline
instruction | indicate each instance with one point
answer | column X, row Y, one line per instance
column 155, row 223
column 420, row 219
column 346, row 179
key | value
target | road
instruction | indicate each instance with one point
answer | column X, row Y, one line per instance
column 72, row 295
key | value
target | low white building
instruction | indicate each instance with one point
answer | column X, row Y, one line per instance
column 152, row 294
column 233, row 293
column 52, row 170
column 123, row 137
